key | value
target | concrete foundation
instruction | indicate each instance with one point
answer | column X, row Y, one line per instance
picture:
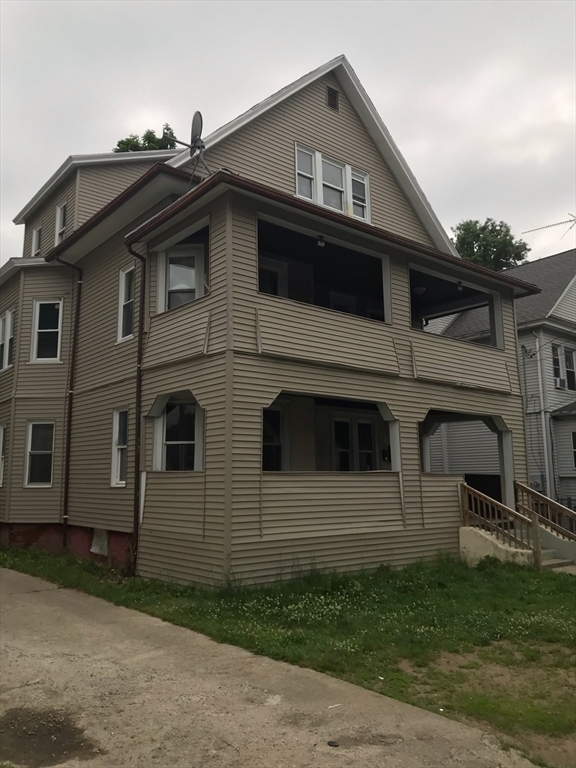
column 476, row 544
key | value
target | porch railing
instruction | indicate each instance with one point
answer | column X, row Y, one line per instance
column 514, row 528
column 551, row 514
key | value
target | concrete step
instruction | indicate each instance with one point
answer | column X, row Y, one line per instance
column 549, row 554
column 556, row 562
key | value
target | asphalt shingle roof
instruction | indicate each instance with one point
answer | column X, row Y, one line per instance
column 552, row 274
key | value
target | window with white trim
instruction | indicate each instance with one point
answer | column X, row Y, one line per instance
column 570, row 366
column 574, row 449
column 332, row 183
column 6, row 339
column 39, row 453
column 119, row 447
column 61, row 215
column 2, row 449
column 36, row 241
column 354, row 443
column 185, row 276
column 179, row 433
column 126, row 303
column 47, row 330
column 556, row 362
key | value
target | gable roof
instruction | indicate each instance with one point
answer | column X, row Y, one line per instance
column 75, row 161
column 353, row 89
column 552, row 274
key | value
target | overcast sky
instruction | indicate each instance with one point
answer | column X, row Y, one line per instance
column 479, row 96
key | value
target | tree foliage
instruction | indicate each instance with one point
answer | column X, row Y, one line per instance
column 149, row 140
column 490, row 244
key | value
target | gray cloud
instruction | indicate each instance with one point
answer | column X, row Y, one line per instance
column 478, row 95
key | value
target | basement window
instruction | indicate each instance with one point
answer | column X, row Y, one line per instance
column 436, row 299
column 314, row 271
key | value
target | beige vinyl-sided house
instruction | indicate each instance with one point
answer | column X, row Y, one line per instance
column 227, row 376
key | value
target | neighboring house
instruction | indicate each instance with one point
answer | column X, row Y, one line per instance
column 546, row 325
column 230, row 375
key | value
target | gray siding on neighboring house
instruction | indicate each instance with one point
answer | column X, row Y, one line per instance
column 565, row 308
column 264, row 151
column 465, row 448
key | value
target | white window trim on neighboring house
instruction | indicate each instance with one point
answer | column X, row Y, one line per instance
column 115, row 480
column 280, row 268
column 29, row 426
column 2, row 452
column 559, row 353
column 195, row 249
column 159, row 453
column 36, row 241
column 354, row 418
column 36, row 331
column 6, row 336
column 349, row 173
column 122, row 302
column 60, row 227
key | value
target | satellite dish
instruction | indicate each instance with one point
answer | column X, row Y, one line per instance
column 196, row 129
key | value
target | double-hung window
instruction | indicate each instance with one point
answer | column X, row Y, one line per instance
column 179, row 437
column 184, row 275
column 556, row 362
column 61, row 214
column 36, row 241
column 570, row 365
column 574, row 449
column 331, row 183
column 39, row 453
column 119, row 447
column 6, row 340
column 47, row 330
column 126, row 304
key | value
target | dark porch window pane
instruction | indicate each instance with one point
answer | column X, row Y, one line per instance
column 366, row 461
column 42, row 437
column 271, row 426
column 47, row 345
column 179, row 457
column 48, row 317
column 342, row 435
column 180, row 422
column 40, row 468
column 365, row 437
column 343, row 461
column 268, row 281
column 272, row 458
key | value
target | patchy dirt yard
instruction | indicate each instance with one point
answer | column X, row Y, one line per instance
column 90, row 684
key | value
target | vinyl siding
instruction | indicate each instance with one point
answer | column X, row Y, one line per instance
column 565, row 308
column 467, row 447
column 6, row 422
column 45, row 217
column 9, row 300
column 563, row 429
column 265, row 151
column 99, row 184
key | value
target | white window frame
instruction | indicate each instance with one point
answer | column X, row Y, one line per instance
column 2, row 452
column 121, row 303
column 574, row 449
column 348, row 171
column 29, row 425
column 198, row 250
column 60, row 228
column 280, row 268
column 6, row 335
column 159, row 454
column 569, row 352
column 354, row 418
column 36, row 241
column 115, row 481
column 35, row 331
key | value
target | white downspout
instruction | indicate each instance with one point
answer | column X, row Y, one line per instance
column 549, row 486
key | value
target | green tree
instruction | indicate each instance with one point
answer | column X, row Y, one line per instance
column 149, row 140
column 490, row 244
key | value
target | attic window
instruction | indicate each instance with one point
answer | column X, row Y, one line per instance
column 333, row 98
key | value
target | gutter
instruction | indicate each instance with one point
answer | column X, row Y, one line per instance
column 70, row 401
column 138, row 407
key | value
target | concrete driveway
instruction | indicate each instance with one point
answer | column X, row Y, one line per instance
column 85, row 683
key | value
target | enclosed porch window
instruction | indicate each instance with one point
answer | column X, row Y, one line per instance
column 315, row 271
column 302, row 433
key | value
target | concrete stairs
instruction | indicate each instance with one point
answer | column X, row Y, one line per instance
column 551, row 560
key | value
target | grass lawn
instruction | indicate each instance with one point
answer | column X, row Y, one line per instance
column 494, row 645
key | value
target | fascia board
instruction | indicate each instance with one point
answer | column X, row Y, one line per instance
column 75, row 161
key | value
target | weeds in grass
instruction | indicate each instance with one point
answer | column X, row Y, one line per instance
column 386, row 630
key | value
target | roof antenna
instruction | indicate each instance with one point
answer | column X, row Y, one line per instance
column 196, row 145
column 571, row 221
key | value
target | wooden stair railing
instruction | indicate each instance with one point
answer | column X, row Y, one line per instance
column 511, row 527
column 551, row 514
